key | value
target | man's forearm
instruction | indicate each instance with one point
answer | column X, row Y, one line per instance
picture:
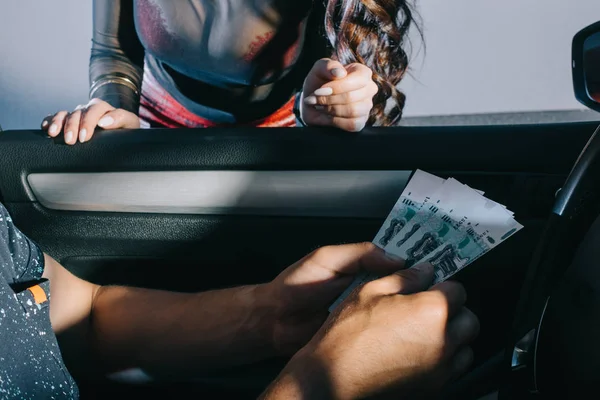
column 305, row 377
column 166, row 332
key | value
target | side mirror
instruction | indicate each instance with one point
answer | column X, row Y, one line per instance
column 586, row 66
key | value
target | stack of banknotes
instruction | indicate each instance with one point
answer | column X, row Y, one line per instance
column 443, row 222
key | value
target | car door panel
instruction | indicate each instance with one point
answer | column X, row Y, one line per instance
column 122, row 209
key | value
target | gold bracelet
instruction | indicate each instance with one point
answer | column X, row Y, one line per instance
column 109, row 79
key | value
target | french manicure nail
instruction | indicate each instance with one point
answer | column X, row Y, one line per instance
column 53, row 129
column 337, row 72
column 82, row 135
column 326, row 91
column 105, row 121
column 310, row 100
column 69, row 137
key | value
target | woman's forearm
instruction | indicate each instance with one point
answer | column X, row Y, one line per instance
column 117, row 56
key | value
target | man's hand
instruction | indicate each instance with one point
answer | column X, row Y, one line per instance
column 338, row 95
column 388, row 337
column 303, row 292
column 182, row 334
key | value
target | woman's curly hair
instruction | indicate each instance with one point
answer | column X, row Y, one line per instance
column 374, row 33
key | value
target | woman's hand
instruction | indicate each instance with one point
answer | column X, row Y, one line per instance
column 337, row 95
column 79, row 125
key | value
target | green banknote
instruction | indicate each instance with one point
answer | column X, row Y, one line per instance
column 418, row 190
column 400, row 216
column 452, row 256
column 443, row 222
column 431, row 234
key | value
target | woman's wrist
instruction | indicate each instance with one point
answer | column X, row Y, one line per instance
column 118, row 96
column 298, row 100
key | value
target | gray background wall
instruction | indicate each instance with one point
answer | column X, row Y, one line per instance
column 483, row 56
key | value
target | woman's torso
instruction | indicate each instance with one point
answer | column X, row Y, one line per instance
column 228, row 61
column 227, row 43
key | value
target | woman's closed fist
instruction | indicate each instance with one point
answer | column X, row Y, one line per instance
column 338, row 95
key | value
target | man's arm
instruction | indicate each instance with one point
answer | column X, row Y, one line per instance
column 390, row 335
column 158, row 331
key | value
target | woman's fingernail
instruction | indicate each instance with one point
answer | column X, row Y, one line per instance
column 325, row 91
column 53, row 129
column 44, row 124
column 105, row 121
column 337, row 72
column 69, row 137
column 310, row 100
column 82, row 135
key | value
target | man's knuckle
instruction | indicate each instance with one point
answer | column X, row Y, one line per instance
column 460, row 290
column 368, row 246
column 439, row 308
column 369, row 289
column 408, row 276
column 324, row 251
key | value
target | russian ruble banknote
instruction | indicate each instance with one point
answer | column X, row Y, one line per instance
column 440, row 221
column 416, row 193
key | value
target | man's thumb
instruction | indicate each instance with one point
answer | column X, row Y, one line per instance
column 415, row 279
